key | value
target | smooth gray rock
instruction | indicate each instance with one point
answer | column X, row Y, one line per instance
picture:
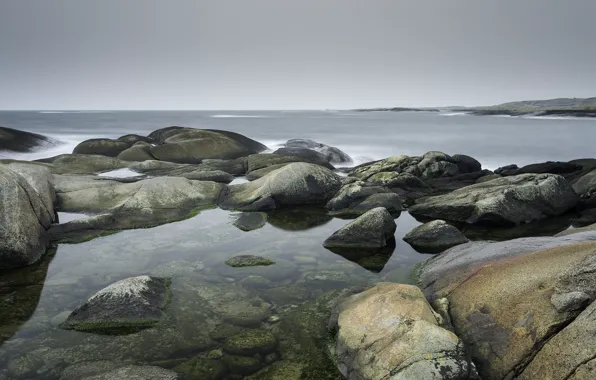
column 371, row 230
column 248, row 261
column 14, row 140
column 103, row 147
column 294, row 184
column 248, row 221
column 26, row 213
column 264, row 160
column 504, row 201
column 434, row 237
column 356, row 198
column 126, row 306
column 333, row 154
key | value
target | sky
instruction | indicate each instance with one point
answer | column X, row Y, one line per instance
column 281, row 54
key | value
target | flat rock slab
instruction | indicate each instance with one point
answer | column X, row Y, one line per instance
column 126, row 306
column 248, row 261
column 134, row 372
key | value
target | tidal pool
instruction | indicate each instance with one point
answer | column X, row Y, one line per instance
column 210, row 301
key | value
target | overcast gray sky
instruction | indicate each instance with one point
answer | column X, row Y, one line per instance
column 288, row 54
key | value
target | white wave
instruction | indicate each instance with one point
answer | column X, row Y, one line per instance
column 119, row 173
column 64, row 145
column 240, row 116
column 454, row 114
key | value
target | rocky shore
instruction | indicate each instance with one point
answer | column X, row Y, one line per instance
column 509, row 292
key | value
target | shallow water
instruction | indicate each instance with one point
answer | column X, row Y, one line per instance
column 35, row 300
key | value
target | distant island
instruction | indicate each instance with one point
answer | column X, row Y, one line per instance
column 575, row 107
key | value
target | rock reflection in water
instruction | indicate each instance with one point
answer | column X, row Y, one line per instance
column 373, row 260
column 298, row 219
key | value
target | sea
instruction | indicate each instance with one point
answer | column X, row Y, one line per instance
column 193, row 252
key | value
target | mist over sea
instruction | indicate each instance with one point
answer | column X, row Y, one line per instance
column 366, row 136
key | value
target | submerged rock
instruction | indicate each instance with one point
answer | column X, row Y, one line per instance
column 356, row 198
column 248, row 221
column 125, row 306
column 250, row 342
column 390, row 331
column 199, row 368
column 507, row 299
column 14, row 140
column 26, row 213
column 434, row 237
column 243, row 365
column 294, row 184
column 504, row 201
column 248, row 261
column 134, row 372
column 370, row 230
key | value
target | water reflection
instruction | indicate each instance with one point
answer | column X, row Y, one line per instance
column 373, row 259
column 299, row 218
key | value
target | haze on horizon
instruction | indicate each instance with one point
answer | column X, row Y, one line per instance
column 279, row 54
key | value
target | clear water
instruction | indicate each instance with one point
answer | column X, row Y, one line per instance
column 36, row 299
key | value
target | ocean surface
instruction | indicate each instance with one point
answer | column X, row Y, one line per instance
column 194, row 251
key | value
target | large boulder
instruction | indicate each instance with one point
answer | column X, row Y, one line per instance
column 137, row 372
column 585, row 187
column 26, row 213
column 503, row 201
column 373, row 229
column 145, row 203
column 390, row 332
column 124, row 307
column 435, row 237
column 103, row 147
column 332, row 154
column 14, row 140
column 138, row 152
column 294, row 184
column 507, row 300
column 356, row 198
column 188, row 145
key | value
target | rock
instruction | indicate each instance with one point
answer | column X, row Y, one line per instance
column 406, row 185
column 134, row 372
column 199, row 368
column 504, row 201
column 103, row 147
column 434, row 237
column 25, row 366
column 248, row 261
column 298, row 218
column 506, row 300
column 359, row 197
column 83, row 164
column 585, row 187
column 125, row 306
column 294, row 184
column 188, row 145
column 285, row 370
column 14, row 140
column 259, row 173
column 26, row 213
column 137, row 152
column 242, row 365
column 332, row 154
column 211, row 175
column 237, row 167
column 466, row 164
column 308, row 154
column 133, row 139
column 145, row 203
column 390, row 331
column 488, row 177
column 552, row 167
column 569, row 354
column 265, row 160
column 248, row 221
column 371, row 230
column 90, row 368
column 251, row 342
column 284, row 295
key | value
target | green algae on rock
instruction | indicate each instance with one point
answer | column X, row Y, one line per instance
column 248, row 261
column 250, row 342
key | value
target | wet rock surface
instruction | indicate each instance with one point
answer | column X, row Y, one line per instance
column 371, row 230
column 435, row 237
column 248, row 261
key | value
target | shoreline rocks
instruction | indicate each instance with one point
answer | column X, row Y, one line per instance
column 373, row 229
column 14, row 140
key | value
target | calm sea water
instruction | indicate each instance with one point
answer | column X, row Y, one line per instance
column 193, row 251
